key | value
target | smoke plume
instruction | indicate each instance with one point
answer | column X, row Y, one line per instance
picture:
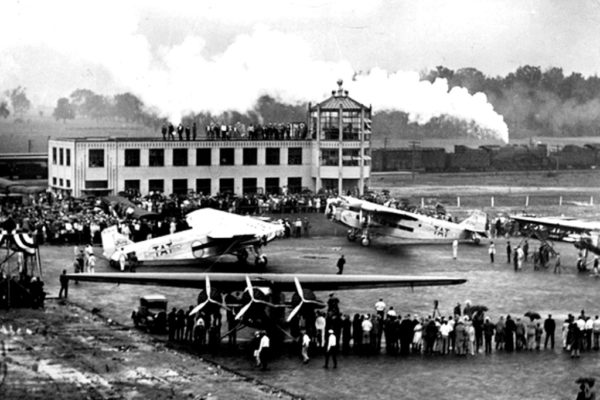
column 183, row 78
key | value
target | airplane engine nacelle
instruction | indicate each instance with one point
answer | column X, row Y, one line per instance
column 308, row 295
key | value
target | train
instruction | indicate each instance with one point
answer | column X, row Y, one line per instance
column 486, row 158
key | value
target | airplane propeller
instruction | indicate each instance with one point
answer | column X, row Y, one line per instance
column 208, row 300
column 303, row 300
column 253, row 300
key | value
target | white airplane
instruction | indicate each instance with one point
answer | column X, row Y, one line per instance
column 583, row 234
column 366, row 219
column 212, row 233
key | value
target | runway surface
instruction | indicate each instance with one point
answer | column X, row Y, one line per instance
column 543, row 375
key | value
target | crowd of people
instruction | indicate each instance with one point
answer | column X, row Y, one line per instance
column 237, row 131
column 21, row 291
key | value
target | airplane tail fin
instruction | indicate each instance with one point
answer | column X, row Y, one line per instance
column 476, row 222
column 112, row 239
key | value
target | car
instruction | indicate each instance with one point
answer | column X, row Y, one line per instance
column 151, row 314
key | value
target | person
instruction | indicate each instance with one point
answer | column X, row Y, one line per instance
column 298, row 228
column 333, row 305
column 171, row 319
column 557, row 267
column 488, row 333
column 595, row 266
column 340, row 265
column 380, row 307
column 263, row 350
column 457, row 310
column 525, row 250
column 305, row 345
column 454, row 249
column 320, row 328
column 492, row 251
column 64, row 285
column 331, row 350
column 306, row 225
column 508, row 251
column 596, row 331
column 91, row 263
column 549, row 328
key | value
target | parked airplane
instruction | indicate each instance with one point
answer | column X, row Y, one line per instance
column 212, row 233
column 583, row 235
column 366, row 219
column 258, row 300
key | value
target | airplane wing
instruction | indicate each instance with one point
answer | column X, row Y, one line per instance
column 379, row 209
column 573, row 225
column 220, row 225
column 285, row 282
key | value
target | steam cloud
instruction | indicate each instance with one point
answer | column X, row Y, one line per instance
column 182, row 79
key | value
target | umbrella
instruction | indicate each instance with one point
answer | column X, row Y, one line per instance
column 586, row 379
column 533, row 315
column 478, row 308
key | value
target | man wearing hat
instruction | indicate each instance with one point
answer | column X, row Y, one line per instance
column 331, row 350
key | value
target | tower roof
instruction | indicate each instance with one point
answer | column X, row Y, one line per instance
column 339, row 98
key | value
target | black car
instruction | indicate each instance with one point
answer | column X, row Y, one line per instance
column 151, row 313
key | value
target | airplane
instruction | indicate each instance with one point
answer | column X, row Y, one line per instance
column 258, row 300
column 366, row 219
column 583, row 235
column 212, row 233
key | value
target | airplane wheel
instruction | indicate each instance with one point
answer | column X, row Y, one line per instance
column 261, row 261
column 351, row 236
column 365, row 241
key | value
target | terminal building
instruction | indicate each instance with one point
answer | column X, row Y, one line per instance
column 333, row 155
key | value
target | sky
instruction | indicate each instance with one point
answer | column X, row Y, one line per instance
column 182, row 56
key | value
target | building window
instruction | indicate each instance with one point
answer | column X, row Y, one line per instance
column 226, row 185
column 156, row 158
column 156, row 185
column 203, row 186
column 132, row 157
column 180, row 186
column 68, row 183
column 96, row 184
column 54, row 180
column 132, row 185
column 329, row 157
column 68, row 161
column 96, row 158
column 295, row 156
column 227, row 156
column 61, row 157
column 249, row 185
column 203, row 156
column 180, row 157
column 350, row 157
column 330, row 125
column 272, row 156
column 54, row 155
column 250, row 157
column 272, row 185
column 60, row 182
column 294, row 185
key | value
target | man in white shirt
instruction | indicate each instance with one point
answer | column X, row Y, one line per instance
column 445, row 332
column 331, row 350
column 380, row 307
column 305, row 345
column 320, row 327
column 263, row 350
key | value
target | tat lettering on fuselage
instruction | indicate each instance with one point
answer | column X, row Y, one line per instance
column 163, row 249
column 439, row 231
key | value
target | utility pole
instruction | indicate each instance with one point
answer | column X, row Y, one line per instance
column 414, row 144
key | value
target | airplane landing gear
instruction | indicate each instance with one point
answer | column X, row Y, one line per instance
column 261, row 261
column 242, row 256
column 351, row 235
column 365, row 241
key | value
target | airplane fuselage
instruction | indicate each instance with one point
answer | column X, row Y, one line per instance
column 421, row 228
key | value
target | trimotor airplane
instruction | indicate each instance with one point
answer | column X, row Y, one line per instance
column 212, row 233
column 366, row 219
column 583, row 235
column 258, row 300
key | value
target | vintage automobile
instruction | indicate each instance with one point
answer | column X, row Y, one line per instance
column 151, row 313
